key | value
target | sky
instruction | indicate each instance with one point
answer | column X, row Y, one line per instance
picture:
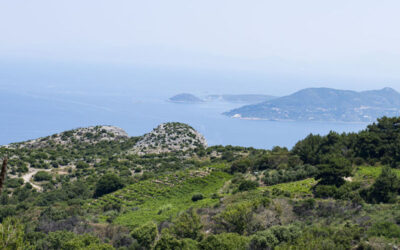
column 257, row 45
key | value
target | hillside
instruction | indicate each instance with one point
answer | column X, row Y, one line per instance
column 170, row 137
column 89, row 135
column 324, row 104
column 335, row 191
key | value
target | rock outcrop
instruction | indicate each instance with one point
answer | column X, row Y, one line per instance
column 170, row 137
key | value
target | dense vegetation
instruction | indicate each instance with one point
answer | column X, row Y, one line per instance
column 338, row 191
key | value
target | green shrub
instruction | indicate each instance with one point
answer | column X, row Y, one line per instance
column 187, row 225
column 108, row 183
column 82, row 165
column 325, row 191
column 197, row 197
column 248, row 185
column 225, row 241
column 146, row 234
column 14, row 182
column 263, row 240
column 385, row 229
column 236, row 218
column 42, row 176
column 385, row 188
column 241, row 166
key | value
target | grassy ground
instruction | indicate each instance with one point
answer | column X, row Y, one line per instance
column 370, row 173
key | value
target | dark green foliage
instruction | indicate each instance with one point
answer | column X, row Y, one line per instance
column 385, row 229
column 225, row 241
column 146, row 235
column 296, row 173
column 247, row 185
column 333, row 171
column 385, row 189
column 263, row 240
column 108, row 183
column 187, row 225
column 82, row 165
column 241, row 166
column 197, row 197
column 325, row 191
column 236, row 218
column 14, row 183
column 42, row 176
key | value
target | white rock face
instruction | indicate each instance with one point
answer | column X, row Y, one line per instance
column 90, row 135
column 170, row 137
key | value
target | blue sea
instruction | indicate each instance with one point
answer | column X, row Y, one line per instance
column 37, row 101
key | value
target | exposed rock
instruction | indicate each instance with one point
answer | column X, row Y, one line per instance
column 170, row 137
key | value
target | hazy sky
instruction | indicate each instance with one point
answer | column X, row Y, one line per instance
column 342, row 43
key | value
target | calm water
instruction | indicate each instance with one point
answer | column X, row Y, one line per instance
column 41, row 99
column 30, row 116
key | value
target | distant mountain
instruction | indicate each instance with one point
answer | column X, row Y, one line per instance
column 249, row 98
column 325, row 104
column 185, row 98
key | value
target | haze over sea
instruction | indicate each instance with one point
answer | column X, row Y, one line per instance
column 39, row 100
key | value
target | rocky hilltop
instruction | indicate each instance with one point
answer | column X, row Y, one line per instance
column 90, row 135
column 170, row 137
column 166, row 138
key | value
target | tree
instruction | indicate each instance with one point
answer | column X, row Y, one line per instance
column 332, row 173
column 188, row 225
column 236, row 218
column 247, row 185
column 42, row 176
column 12, row 235
column 108, row 183
column 146, row 235
column 385, row 188
column 241, row 165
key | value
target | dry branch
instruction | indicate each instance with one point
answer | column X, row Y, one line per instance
column 3, row 173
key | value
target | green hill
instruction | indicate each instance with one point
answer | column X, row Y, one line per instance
column 335, row 191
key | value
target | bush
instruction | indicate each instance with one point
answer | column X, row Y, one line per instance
column 386, row 229
column 82, row 165
column 14, row 182
column 325, row 191
column 146, row 234
column 188, row 225
column 263, row 240
column 385, row 188
column 241, row 166
column 225, row 241
column 42, row 176
column 248, row 185
column 236, row 218
column 108, row 183
column 197, row 197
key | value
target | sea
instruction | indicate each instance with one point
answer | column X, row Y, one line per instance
column 37, row 101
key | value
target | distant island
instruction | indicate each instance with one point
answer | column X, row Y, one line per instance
column 185, row 98
column 324, row 104
column 243, row 99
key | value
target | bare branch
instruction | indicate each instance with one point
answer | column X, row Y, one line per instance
column 3, row 173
